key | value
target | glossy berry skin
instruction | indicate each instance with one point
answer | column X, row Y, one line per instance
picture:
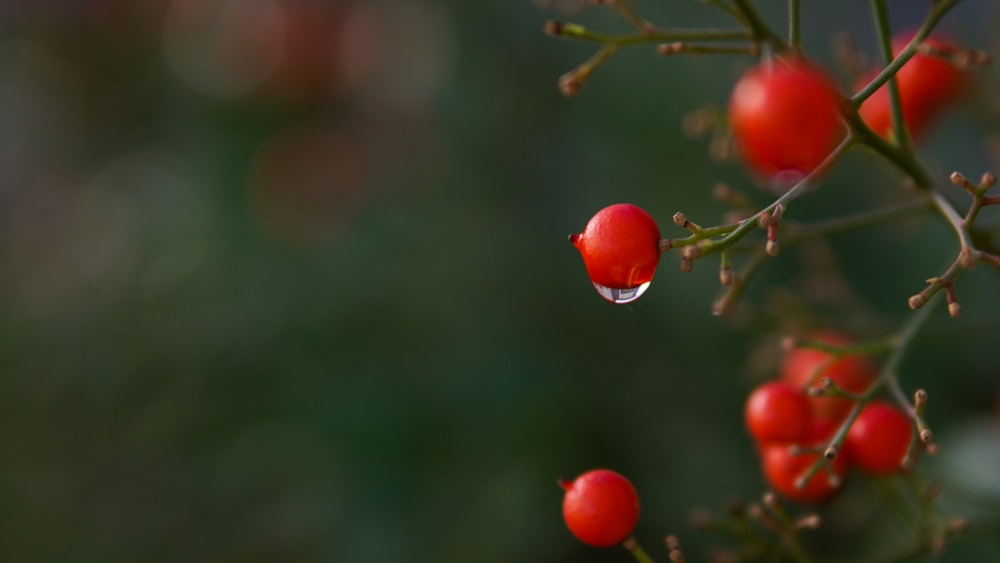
column 880, row 438
column 600, row 507
column 620, row 248
column 782, row 468
column 778, row 412
column 928, row 85
column 785, row 117
column 851, row 373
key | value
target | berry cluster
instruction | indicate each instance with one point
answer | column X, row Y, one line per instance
column 793, row 419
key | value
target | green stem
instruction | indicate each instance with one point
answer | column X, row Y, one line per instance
column 725, row 302
column 727, row 8
column 578, row 31
column 794, row 25
column 938, row 11
column 854, row 221
column 761, row 31
column 642, row 25
column 957, row 223
column 904, row 160
column 895, row 105
column 798, row 189
column 903, row 340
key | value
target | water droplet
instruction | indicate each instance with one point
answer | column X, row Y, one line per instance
column 621, row 296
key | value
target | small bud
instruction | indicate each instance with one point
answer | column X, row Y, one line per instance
column 917, row 301
column 920, row 398
column 726, row 276
column 771, row 248
column 664, row 244
column 720, row 149
column 932, row 449
column 830, row 453
column 787, row 343
column 553, row 28
column 988, row 180
column 670, row 48
column 957, row 525
column 833, row 479
column 926, row 436
column 723, row 192
column 570, row 84
column 698, row 123
column 826, row 382
column 770, row 499
column 954, row 310
column 756, row 512
column 764, row 219
column 672, row 542
column 680, row 219
column 690, row 252
column 687, row 264
column 909, row 460
column 958, row 179
column 809, row 522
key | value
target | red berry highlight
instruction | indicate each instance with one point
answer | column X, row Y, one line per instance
column 778, row 412
column 620, row 249
column 600, row 507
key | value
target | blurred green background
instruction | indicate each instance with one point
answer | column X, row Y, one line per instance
column 288, row 280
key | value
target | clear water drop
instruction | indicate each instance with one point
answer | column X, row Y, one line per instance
column 621, row 296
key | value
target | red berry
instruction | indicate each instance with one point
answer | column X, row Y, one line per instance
column 927, row 84
column 778, row 412
column 620, row 248
column 880, row 438
column 600, row 507
column 803, row 368
column 785, row 116
column 782, row 469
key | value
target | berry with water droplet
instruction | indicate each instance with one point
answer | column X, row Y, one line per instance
column 620, row 248
column 600, row 507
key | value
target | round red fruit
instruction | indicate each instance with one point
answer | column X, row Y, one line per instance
column 620, row 248
column 600, row 507
column 786, row 117
column 928, row 83
column 805, row 367
column 778, row 412
column 880, row 438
